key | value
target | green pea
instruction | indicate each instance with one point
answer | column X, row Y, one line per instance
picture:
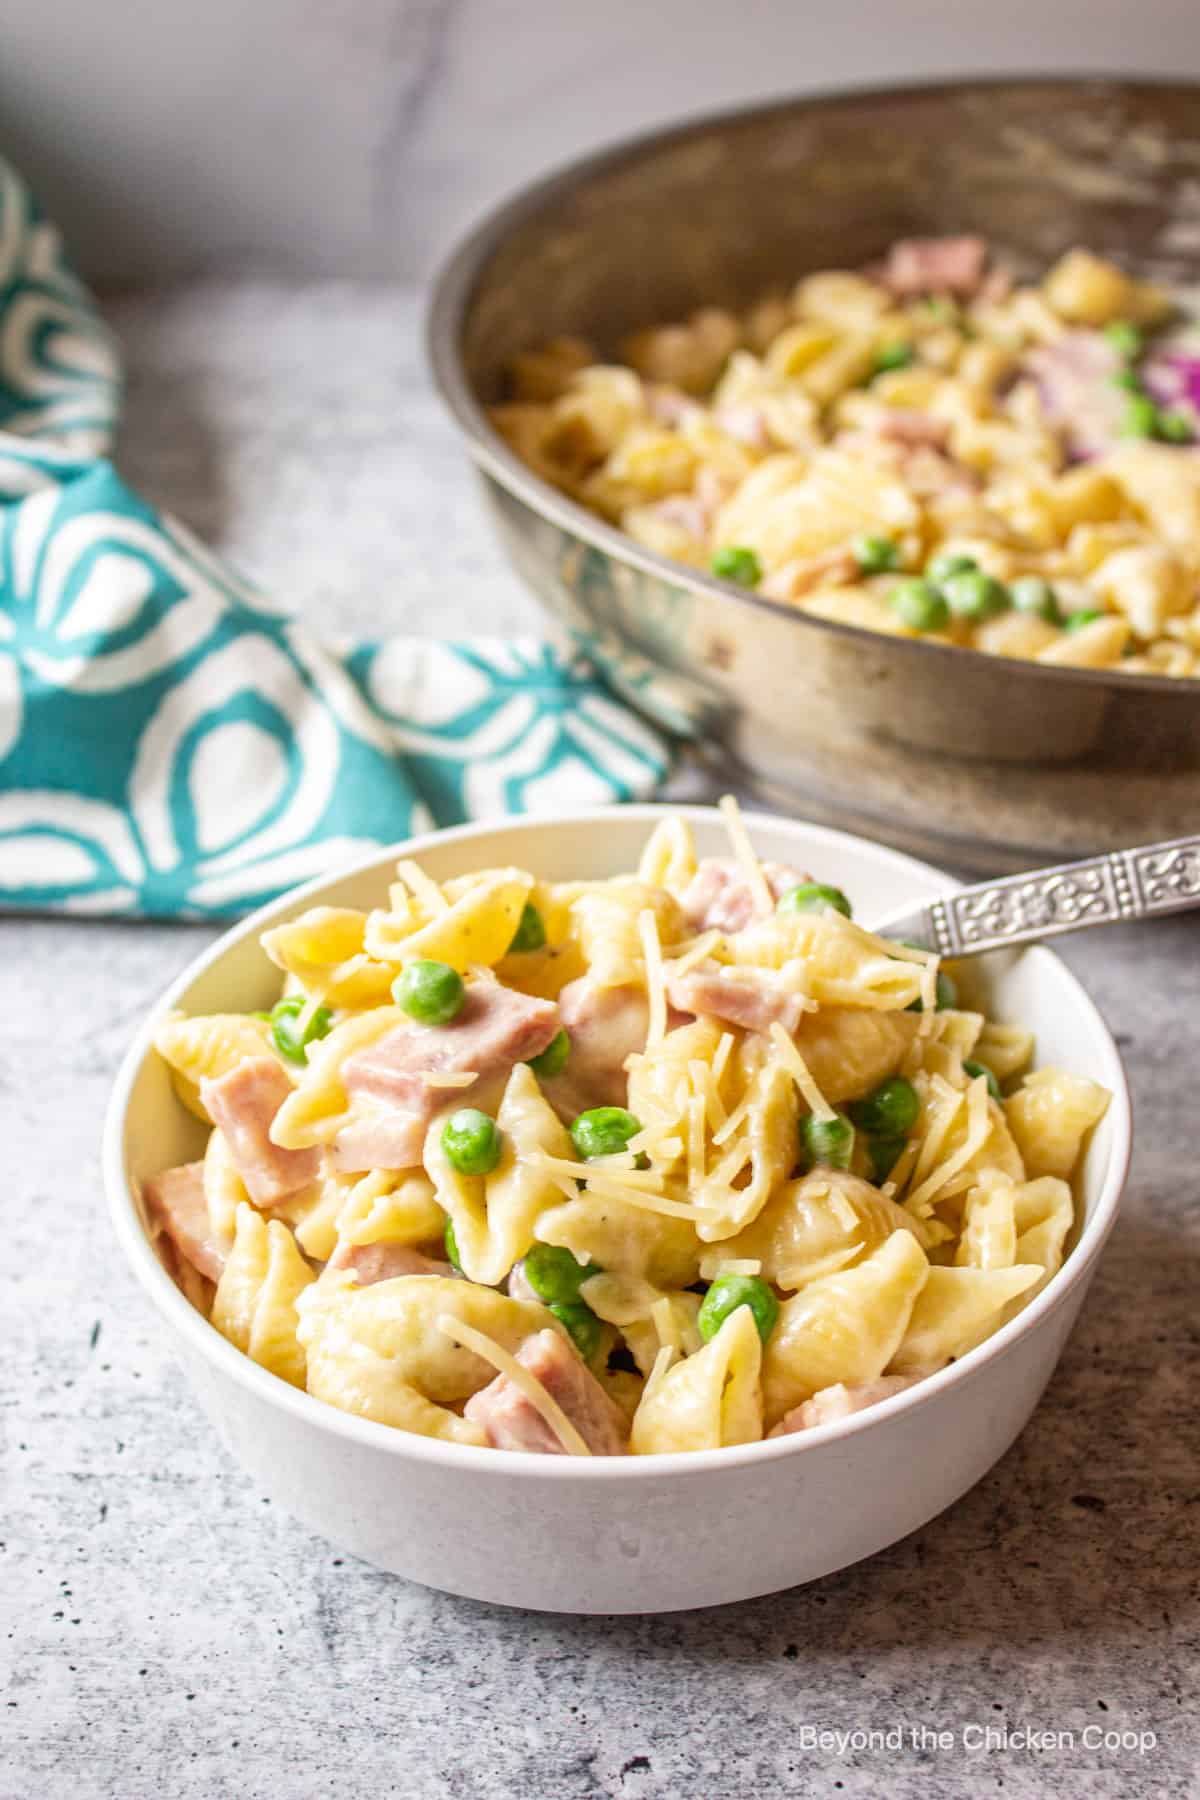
column 1141, row 417
column 432, row 993
column 891, row 1111
column 884, row 1153
column 876, row 554
column 734, row 562
column 553, row 1059
column 726, row 1294
column 1129, row 379
column 604, row 1131
column 947, row 993
column 554, row 1274
column 1036, row 597
column 893, row 356
column 451, row 1243
column 920, row 604
column 976, row 1069
column 947, row 563
column 1175, row 428
column 531, row 932
column 471, row 1141
column 1125, row 339
column 975, row 596
column 826, row 1143
column 287, row 1035
column 1087, row 615
column 814, row 896
column 582, row 1325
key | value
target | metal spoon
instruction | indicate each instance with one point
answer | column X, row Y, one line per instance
column 1021, row 909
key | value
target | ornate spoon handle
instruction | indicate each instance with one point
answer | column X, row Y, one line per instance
column 1102, row 890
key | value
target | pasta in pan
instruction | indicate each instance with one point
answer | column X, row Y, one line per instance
column 922, row 447
column 670, row 1162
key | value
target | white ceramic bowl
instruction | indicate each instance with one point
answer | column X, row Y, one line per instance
column 621, row 1535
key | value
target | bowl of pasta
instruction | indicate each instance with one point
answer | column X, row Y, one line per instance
column 857, row 438
column 594, row 1214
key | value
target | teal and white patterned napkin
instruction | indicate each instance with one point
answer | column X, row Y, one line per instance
column 172, row 743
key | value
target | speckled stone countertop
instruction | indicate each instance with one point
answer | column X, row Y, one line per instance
column 167, row 1633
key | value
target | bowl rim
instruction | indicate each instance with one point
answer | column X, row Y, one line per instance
column 452, row 291
column 202, row 1338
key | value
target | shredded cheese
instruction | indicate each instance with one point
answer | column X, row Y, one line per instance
column 799, row 1071
column 311, row 1006
column 842, row 1208
column 423, row 886
column 662, row 1362
column 743, row 850
column 721, row 1054
column 666, row 1324
column 641, row 1188
column 979, row 1126
column 656, row 988
column 902, row 1168
column 603, row 1167
column 705, row 1088
column 795, row 1275
column 696, row 950
column 695, row 1141
column 742, row 1265
column 449, row 1078
column 940, row 1110
column 735, row 1120
column 613, row 1189
column 655, row 1137
column 534, row 1391
column 608, row 1167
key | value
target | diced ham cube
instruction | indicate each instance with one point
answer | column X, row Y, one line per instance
column 742, row 997
column 746, row 423
column 719, row 898
column 828, row 568
column 518, row 1286
column 685, row 511
column 512, row 1423
column 908, row 426
column 669, row 405
column 386, row 1138
column 383, row 1262
column 243, row 1105
column 944, row 265
column 605, row 1026
column 1074, row 377
column 840, row 1402
column 496, row 1028
column 176, row 1204
column 996, row 285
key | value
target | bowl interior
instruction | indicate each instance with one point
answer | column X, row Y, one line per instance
column 1031, row 987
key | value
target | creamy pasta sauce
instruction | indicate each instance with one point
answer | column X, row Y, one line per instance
column 924, row 447
column 668, row 1162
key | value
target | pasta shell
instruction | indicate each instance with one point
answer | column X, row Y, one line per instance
column 957, row 1309
column 843, row 1328
column 255, row 1302
column 707, row 1400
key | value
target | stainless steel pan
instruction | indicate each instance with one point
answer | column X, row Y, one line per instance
column 992, row 762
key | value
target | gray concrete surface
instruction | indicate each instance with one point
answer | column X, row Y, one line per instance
column 166, row 1633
